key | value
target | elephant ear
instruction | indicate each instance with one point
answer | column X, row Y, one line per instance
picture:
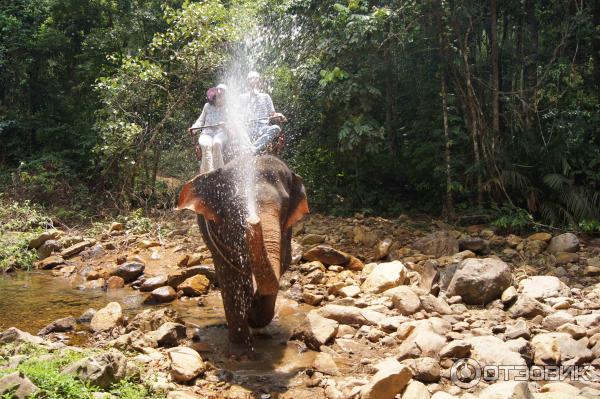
column 298, row 206
column 202, row 195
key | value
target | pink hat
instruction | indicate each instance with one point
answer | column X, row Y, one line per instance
column 211, row 93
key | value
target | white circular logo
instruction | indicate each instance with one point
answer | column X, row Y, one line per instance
column 465, row 373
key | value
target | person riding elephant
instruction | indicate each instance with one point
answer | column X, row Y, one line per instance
column 246, row 211
column 259, row 112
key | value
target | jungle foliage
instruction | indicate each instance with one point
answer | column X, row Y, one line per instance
column 442, row 106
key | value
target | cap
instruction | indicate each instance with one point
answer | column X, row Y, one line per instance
column 222, row 86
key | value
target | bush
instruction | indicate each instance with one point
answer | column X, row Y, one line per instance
column 512, row 219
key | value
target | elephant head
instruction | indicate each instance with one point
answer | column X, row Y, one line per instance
column 249, row 207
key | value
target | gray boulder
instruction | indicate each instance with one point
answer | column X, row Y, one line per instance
column 480, row 281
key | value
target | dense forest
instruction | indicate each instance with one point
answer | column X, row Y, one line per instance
column 466, row 109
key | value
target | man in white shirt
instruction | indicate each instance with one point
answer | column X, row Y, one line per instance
column 259, row 112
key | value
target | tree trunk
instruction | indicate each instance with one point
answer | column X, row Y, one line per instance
column 495, row 73
column 447, row 153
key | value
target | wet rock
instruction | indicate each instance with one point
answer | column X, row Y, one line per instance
column 383, row 249
column 313, row 239
column 567, row 242
column 100, row 370
column 76, row 248
column 390, row 380
column 129, row 271
column 438, row 244
column 179, row 276
column 163, row 294
column 560, row 348
column 48, row 248
column 326, row 255
column 404, row 299
column 61, row 325
column 87, row 316
column 107, row 318
column 169, row 334
column 541, row 287
column 186, row 363
column 325, row 364
column 14, row 335
column 528, row 307
column 115, row 282
column 507, row 390
column 150, row 320
column 152, row 283
column 475, row 244
column 17, row 386
column 50, row 262
column 195, row 285
column 316, row 331
column 424, row 369
column 384, row 276
column 480, row 281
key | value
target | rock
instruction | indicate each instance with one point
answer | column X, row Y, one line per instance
column 115, row 282
column 87, row 316
column 14, row 335
column 437, row 244
column 163, row 294
column 354, row 264
column 182, row 395
column 456, row 349
column 50, row 262
column 116, row 226
column 326, row 255
column 169, row 334
column 404, row 299
column 384, row 276
column 424, row 369
column 186, row 363
column 76, row 248
column 101, row 370
column 194, row 260
column 179, row 276
column 313, row 239
column 528, row 307
column 416, row 390
column 129, row 271
column 519, row 329
column 509, row 296
column 150, row 320
column 365, row 236
column 47, row 249
column 541, row 287
column 37, row 242
column 107, row 318
column 316, row 331
column 383, row 249
column 135, row 340
column 563, row 258
column 507, row 390
column 17, row 386
column 560, row 348
column 429, row 276
column 195, row 285
column 480, row 281
column 349, row 291
column 345, row 314
column 588, row 320
column 567, row 242
column 560, row 387
column 390, row 380
column 573, row 330
column 491, row 350
column 422, row 341
column 555, row 320
column 61, row 325
column 540, row 237
column 152, row 283
column 325, row 364
column 312, row 298
column 475, row 244
column 431, row 303
column 591, row 271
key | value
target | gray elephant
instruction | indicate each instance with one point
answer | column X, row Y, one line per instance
column 247, row 226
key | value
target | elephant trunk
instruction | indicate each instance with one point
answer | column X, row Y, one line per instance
column 264, row 241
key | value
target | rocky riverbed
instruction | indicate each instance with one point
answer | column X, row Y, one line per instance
column 371, row 308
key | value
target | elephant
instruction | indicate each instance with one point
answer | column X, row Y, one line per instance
column 246, row 211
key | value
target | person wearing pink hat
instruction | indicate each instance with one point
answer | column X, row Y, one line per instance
column 211, row 124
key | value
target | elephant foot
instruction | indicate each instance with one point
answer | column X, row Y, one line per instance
column 241, row 352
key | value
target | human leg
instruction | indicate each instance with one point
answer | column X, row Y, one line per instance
column 206, row 142
column 266, row 135
column 218, row 144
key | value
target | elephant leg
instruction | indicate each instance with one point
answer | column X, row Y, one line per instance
column 262, row 310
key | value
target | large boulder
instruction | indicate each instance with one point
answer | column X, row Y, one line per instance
column 480, row 281
column 422, row 341
column 389, row 381
column 163, row 294
column 384, row 276
column 567, row 242
column 528, row 307
column 47, row 249
column 76, row 248
column 14, row 335
column 17, row 386
column 437, row 244
column 560, row 348
column 316, row 331
column 129, row 271
column 404, row 299
column 100, row 370
column 186, row 363
column 474, row 244
column 107, row 318
column 37, row 242
column 491, row 350
column 541, row 287
column 169, row 334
